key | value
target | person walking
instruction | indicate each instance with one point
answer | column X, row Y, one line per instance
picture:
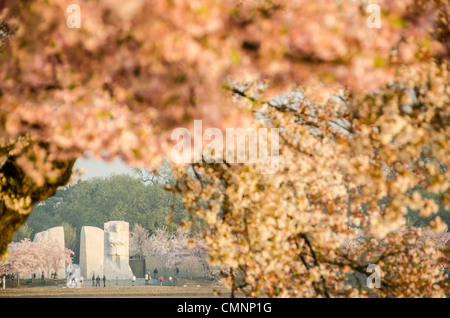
column 97, row 281
column 133, row 280
column 104, row 281
column 93, row 280
column 160, row 280
column 43, row 277
column 146, row 278
column 81, row 280
column 177, row 272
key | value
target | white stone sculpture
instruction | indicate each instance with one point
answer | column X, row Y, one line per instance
column 91, row 251
column 116, row 264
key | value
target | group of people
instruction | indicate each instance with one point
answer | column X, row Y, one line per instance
column 53, row 276
column 173, row 280
column 74, row 281
column 96, row 281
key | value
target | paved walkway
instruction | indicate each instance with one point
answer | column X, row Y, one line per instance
column 125, row 282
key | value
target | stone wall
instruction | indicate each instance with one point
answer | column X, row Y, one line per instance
column 91, row 251
column 152, row 262
column 138, row 267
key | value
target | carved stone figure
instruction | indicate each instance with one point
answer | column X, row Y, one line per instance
column 117, row 236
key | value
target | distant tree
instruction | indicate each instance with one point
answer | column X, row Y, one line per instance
column 177, row 249
column 23, row 232
column 161, row 177
column 52, row 257
column 26, row 257
column 23, row 259
column 140, row 244
column 188, row 251
column 161, row 246
column 70, row 236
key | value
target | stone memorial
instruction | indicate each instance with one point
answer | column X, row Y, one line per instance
column 91, row 251
column 116, row 261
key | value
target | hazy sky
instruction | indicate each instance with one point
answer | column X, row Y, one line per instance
column 100, row 168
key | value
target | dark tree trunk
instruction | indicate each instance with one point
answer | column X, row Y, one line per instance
column 14, row 181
